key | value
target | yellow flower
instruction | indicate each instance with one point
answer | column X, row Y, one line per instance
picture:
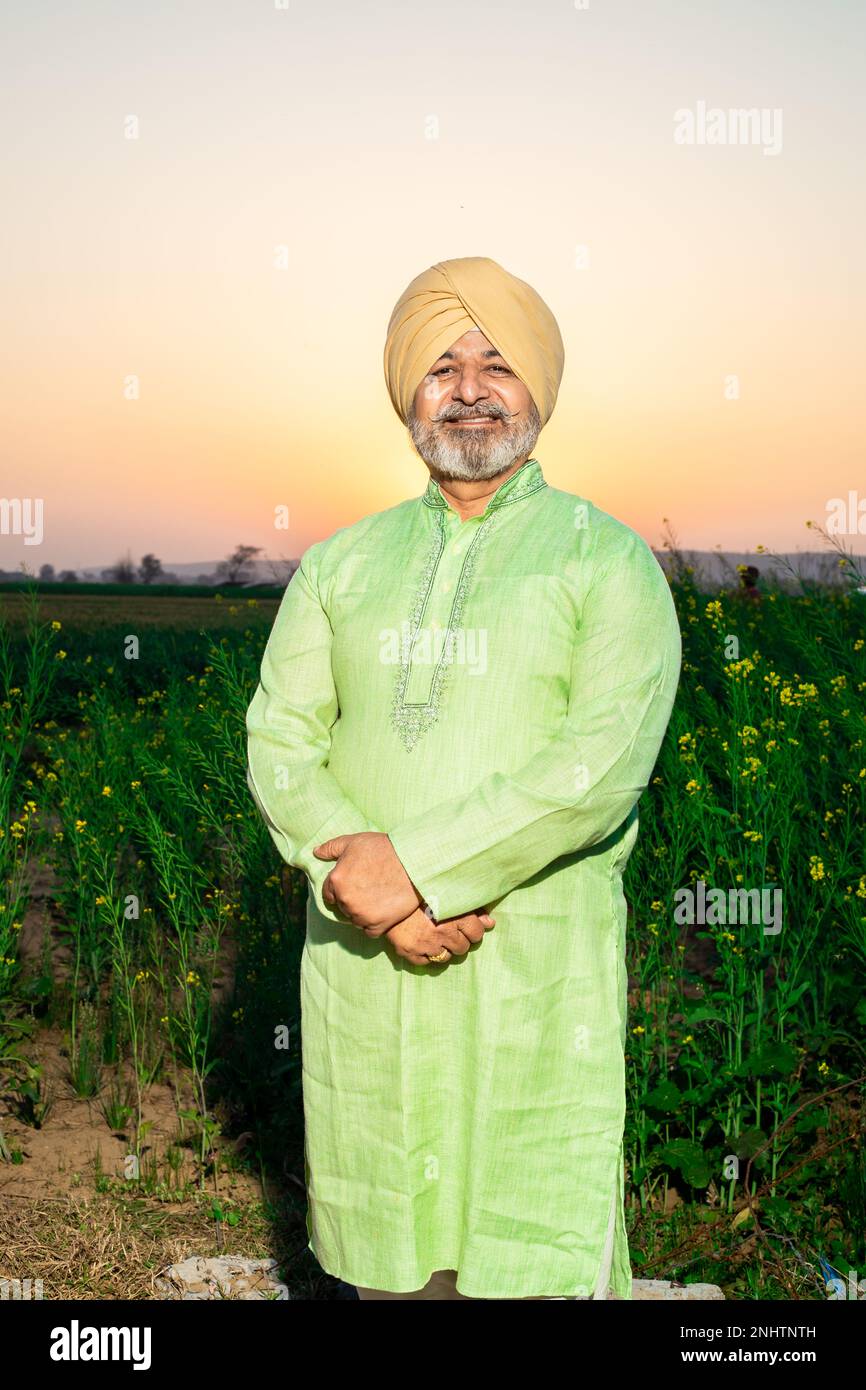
column 56, row 626
column 816, row 867
column 806, row 690
column 692, row 786
column 106, row 791
column 823, row 1068
column 79, row 825
column 60, row 655
column 639, row 1029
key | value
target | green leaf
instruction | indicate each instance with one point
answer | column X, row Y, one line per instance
column 748, row 1142
column 665, row 1097
column 773, row 1059
column 688, row 1158
column 811, row 1120
column 702, row 1014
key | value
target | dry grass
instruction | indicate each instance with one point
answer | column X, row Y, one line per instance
column 86, row 612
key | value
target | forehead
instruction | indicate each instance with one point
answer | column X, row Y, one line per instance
column 473, row 343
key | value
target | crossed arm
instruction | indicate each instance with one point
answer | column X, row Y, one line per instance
column 472, row 849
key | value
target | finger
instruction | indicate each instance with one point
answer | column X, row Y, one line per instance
column 455, row 940
column 416, row 957
column 475, row 925
column 330, row 849
column 439, row 935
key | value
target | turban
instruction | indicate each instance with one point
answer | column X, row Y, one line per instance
column 444, row 302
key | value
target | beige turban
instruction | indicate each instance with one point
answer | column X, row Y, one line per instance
column 444, row 302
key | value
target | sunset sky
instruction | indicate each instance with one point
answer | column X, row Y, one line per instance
column 308, row 127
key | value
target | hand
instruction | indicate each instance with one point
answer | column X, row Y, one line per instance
column 368, row 884
column 416, row 938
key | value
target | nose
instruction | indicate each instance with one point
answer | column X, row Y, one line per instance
column 469, row 387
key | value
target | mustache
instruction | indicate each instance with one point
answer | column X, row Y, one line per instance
column 456, row 412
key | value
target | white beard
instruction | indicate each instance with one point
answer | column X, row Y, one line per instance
column 468, row 456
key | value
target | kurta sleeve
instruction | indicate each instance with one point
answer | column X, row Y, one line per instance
column 579, row 788
column 289, row 724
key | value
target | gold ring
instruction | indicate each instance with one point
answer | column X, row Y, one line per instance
column 440, row 955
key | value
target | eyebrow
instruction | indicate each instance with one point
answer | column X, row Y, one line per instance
column 488, row 352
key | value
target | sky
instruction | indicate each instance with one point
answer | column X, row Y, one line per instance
column 195, row 317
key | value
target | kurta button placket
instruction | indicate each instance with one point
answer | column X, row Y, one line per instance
column 431, row 635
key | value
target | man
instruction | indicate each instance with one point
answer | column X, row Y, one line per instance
column 461, row 701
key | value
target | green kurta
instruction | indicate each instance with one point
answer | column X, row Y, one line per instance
column 470, row 1116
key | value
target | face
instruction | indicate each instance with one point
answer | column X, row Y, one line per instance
column 472, row 418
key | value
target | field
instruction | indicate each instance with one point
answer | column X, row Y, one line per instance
column 150, row 940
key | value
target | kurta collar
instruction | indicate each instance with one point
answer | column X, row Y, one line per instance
column 528, row 478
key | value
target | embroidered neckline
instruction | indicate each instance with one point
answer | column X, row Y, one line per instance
column 527, row 479
column 411, row 720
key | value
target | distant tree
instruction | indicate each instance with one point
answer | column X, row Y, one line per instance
column 68, row 577
column 46, row 573
column 150, row 569
column 237, row 567
column 121, row 572
column 282, row 570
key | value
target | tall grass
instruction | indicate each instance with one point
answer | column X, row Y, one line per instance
column 745, row 1056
